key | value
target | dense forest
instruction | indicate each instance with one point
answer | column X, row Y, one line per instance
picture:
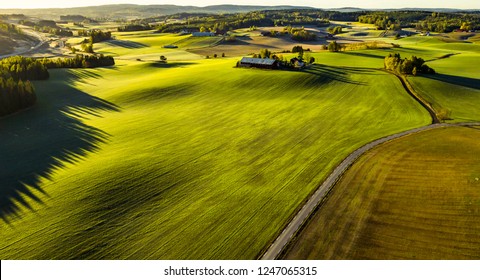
column 437, row 22
column 221, row 23
column 425, row 21
column 226, row 22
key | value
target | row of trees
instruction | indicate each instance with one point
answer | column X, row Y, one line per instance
column 446, row 23
column 23, row 68
column 412, row 66
column 15, row 95
column 79, row 61
column 134, row 27
column 16, row 90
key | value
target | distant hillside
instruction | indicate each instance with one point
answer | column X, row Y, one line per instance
column 129, row 11
column 347, row 9
column 437, row 10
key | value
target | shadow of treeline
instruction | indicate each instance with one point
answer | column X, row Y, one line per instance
column 456, row 80
column 126, row 44
column 329, row 73
column 36, row 142
column 171, row 64
column 369, row 55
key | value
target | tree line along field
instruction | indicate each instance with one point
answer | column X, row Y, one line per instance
column 143, row 161
column 413, row 198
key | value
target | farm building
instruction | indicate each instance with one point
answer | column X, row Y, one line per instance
column 203, row 34
column 297, row 63
column 266, row 63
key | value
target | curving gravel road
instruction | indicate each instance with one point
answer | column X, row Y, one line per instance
column 293, row 227
column 42, row 40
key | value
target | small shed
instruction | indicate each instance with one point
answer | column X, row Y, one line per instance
column 266, row 63
column 297, row 63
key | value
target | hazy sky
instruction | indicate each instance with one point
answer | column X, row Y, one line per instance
column 463, row 4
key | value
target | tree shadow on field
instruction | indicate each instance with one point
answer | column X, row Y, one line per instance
column 456, row 80
column 171, row 64
column 369, row 55
column 126, row 44
column 37, row 142
column 341, row 74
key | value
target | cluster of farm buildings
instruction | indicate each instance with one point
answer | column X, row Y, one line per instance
column 267, row 63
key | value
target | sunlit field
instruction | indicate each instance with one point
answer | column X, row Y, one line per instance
column 184, row 160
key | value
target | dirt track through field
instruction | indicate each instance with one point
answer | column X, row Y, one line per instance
column 406, row 85
column 277, row 247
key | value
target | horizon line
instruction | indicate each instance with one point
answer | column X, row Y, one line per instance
column 295, row 6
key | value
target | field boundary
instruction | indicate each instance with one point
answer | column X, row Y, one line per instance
column 294, row 226
column 411, row 91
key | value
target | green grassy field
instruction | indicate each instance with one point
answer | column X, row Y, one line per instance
column 455, row 89
column 147, row 45
column 417, row 197
column 188, row 160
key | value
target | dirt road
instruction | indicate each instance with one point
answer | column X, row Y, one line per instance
column 294, row 226
column 42, row 40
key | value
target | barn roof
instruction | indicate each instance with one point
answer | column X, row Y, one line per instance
column 259, row 61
